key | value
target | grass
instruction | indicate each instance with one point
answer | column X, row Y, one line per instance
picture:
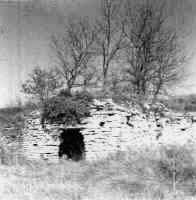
column 168, row 173
column 12, row 120
column 183, row 103
column 121, row 176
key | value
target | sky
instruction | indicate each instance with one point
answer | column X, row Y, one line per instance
column 26, row 27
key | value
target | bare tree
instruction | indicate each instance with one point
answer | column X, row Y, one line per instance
column 90, row 76
column 109, row 34
column 154, row 55
column 42, row 84
column 73, row 49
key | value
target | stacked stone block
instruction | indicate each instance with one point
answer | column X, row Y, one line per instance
column 109, row 128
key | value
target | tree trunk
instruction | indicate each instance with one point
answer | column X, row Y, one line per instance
column 157, row 91
column 68, row 89
column 104, row 86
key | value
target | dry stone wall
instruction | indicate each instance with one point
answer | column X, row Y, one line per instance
column 110, row 128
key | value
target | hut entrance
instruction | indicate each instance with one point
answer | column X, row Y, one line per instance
column 71, row 144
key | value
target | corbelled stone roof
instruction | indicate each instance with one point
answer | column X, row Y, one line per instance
column 110, row 127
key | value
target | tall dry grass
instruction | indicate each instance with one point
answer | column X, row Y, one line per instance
column 121, row 176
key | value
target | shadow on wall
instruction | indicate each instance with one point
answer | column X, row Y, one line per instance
column 71, row 144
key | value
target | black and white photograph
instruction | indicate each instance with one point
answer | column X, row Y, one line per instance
column 97, row 99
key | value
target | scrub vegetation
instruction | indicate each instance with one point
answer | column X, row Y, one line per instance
column 165, row 174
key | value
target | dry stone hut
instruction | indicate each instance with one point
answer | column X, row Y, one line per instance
column 109, row 128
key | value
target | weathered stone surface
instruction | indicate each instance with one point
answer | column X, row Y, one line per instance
column 110, row 128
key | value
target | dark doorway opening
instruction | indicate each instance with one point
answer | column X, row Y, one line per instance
column 72, row 144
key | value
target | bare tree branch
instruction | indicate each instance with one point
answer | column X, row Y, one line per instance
column 154, row 55
column 109, row 34
column 74, row 49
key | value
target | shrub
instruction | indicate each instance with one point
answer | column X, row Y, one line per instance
column 190, row 107
column 9, row 151
column 12, row 117
column 84, row 96
column 67, row 110
column 11, row 110
column 178, row 160
column 64, row 93
column 42, row 84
